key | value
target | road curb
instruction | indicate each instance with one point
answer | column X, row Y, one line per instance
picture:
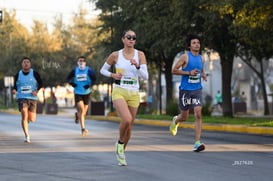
column 210, row 127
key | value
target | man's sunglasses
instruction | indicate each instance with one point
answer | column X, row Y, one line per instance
column 129, row 37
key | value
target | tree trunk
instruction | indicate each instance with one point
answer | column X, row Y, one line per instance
column 227, row 64
column 266, row 107
column 168, row 76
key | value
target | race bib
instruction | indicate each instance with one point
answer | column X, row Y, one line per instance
column 26, row 89
column 194, row 78
column 81, row 77
column 127, row 81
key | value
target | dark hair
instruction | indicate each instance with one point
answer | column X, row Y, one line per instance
column 25, row 58
column 81, row 57
column 191, row 37
column 125, row 31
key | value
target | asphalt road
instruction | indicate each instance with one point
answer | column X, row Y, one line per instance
column 57, row 152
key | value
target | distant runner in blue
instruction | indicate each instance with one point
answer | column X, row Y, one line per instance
column 27, row 84
column 81, row 78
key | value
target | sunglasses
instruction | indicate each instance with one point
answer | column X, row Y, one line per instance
column 130, row 37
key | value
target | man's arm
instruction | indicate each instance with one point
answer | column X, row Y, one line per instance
column 70, row 78
column 15, row 80
column 92, row 75
column 204, row 75
column 38, row 79
column 183, row 60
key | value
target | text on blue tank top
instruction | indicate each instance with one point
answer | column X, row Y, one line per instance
column 81, row 79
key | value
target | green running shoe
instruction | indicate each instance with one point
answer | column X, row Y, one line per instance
column 120, row 154
column 174, row 126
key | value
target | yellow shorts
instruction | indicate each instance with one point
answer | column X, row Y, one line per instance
column 131, row 97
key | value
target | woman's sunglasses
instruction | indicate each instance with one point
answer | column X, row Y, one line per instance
column 130, row 37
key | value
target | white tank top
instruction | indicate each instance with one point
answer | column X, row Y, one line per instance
column 129, row 79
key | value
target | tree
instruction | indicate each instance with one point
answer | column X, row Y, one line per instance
column 218, row 17
column 42, row 46
column 254, row 47
column 13, row 42
column 56, row 52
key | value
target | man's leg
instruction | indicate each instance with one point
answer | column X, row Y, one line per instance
column 31, row 116
column 81, row 115
column 198, row 122
column 24, row 123
column 32, row 111
column 182, row 117
column 80, row 108
column 198, row 146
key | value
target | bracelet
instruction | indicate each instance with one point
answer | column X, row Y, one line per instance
column 189, row 72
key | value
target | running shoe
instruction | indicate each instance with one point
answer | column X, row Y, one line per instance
column 84, row 132
column 120, row 154
column 198, row 147
column 76, row 118
column 27, row 139
column 174, row 126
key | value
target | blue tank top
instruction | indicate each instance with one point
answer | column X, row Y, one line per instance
column 81, row 79
column 26, row 84
column 192, row 82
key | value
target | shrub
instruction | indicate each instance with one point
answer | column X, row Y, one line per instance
column 172, row 108
column 207, row 110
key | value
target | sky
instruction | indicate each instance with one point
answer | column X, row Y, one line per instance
column 46, row 10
